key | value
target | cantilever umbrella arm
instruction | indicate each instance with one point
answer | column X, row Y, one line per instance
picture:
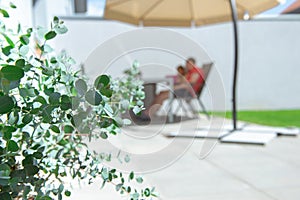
column 236, row 50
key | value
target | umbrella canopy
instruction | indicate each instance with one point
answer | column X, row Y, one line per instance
column 181, row 12
column 188, row 13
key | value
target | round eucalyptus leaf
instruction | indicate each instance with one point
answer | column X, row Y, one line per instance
column 67, row 193
column 68, row 129
column 47, row 117
column 50, row 35
column 12, row 5
column 31, row 170
column 12, row 146
column 41, row 100
column 81, row 86
column 27, row 119
column 54, row 98
column 9, row 129
column 12, row 73
column 5, row 85
column 106, row 91
column 61, row 29
column 101, row 81
column 103, row 135
column 93, row 97
column 24, row 39
column 5, row 196
column 55, row 129
column 20, row 63
column 37, row 155
column 24, row 50
column 7, row 136
column 55, row 20
column 6, row 104
column 6, row 50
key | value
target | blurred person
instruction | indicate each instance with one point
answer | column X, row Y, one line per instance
column 190, row 85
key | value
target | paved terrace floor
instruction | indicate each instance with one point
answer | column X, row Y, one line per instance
column 179, row 170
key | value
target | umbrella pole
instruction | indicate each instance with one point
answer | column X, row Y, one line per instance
column 234, row 21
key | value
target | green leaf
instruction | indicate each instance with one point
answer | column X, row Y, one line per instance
column 27, row 92
column 63, row 142
column 119, row 186
column 54, row 98
column 139, row 179
column 12, row 73
column 147, row 192
column 7, row 136
column 104, row 173
column 31, row 170
column 101, row 81
column 41, row 100
column 8, row 85
column 131, row 175
column 9, row 129
column 55, row 129
column 103, row 135
column 55, row 20
column 26, row 191
column 20, row 63
column 27, row 118
column 106, row 91
column 47, row 118
column 61, row 29
column 6, row 104
column 67, row 193
column 24, row 51
column 12, row 146
column 48, row 91
column 93, row 97
column 48, row 71
column 61, row 188
column 68, row 129
column 24, row 39
column 37, row 155
column 6, row 50
column 5, row 196
column 47, row 48
column 8, row 40
column 28, row 66
column 81, row 86
column 12, row 5
column 28, row 160
column 127, row 158
column 50, row 35
column 4, row 13
column 65, row 99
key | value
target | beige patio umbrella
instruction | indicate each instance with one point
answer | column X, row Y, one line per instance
column 181, row 12
column 189, row 13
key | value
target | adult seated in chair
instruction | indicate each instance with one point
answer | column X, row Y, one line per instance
column 194, row 79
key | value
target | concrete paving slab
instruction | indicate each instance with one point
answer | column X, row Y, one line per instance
column 204, row 133
column 204, row 168
column 283, row 193
column 277, row 130
column 244, row 137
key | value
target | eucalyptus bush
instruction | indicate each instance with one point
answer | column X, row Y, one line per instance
column 46, row 112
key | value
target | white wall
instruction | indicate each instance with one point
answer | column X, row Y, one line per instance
column 22, row 14
column 45, row 10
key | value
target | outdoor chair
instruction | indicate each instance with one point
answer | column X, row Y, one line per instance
column 188, row 100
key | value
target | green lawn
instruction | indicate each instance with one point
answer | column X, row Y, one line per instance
column 285, row 118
